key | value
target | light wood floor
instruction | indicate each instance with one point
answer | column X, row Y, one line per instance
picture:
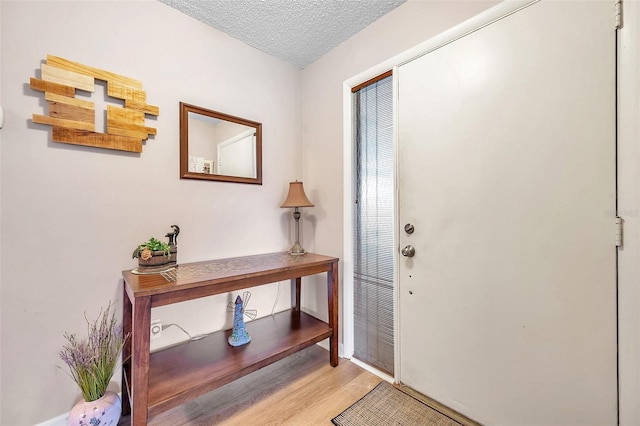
column 301, row 390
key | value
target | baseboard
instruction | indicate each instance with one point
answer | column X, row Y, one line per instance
column 61, row 420
column 384, row 376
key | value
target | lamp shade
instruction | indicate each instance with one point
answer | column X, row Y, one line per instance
column 296, row 196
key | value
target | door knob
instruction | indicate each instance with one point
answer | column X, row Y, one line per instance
column 408, row 251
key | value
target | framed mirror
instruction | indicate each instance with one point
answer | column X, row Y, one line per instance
column 218, row 146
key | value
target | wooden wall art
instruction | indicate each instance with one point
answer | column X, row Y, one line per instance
column 73, row 119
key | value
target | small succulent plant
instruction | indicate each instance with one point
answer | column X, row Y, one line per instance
column 146, row 249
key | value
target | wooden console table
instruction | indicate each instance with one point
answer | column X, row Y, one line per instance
column 153, row 383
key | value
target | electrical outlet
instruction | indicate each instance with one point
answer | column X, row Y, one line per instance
column 156, row 329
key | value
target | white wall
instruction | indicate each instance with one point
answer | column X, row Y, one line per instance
column 71, row 216
column 202, row 137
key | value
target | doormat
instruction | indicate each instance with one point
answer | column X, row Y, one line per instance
column 386, row 405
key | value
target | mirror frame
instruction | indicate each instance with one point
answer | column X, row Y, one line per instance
column 185, row 109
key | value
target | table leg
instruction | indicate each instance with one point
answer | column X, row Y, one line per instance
column 140, row 360
column 295, row 293
column 126, row 349
column 332, row 290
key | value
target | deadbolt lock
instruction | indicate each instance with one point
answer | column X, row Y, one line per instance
column 408, row 228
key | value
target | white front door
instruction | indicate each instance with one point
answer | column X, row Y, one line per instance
column 506, row 163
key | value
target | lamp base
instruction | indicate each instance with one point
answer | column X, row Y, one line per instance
column 297, row 250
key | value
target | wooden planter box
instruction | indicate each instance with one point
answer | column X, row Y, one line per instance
column 158, row 261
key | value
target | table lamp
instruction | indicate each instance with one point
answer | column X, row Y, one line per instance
column 296, row 199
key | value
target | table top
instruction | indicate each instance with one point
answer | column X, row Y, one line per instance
column 245, row 270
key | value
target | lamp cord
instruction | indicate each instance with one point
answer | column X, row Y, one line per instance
column 202, row 336
column 198, row 337
column 275, row 301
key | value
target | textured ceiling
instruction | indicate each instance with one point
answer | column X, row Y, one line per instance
column 296, row 31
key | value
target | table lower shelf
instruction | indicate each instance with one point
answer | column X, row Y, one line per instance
column 183, row 372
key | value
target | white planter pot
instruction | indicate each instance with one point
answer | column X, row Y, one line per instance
column 103, row 411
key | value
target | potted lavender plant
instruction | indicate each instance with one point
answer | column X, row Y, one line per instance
column 91, row 363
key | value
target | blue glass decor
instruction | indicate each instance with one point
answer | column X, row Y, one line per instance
column 239, row 335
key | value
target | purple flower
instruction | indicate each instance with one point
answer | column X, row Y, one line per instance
column 92, row 361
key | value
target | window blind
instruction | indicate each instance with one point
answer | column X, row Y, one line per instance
column 373, row 230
